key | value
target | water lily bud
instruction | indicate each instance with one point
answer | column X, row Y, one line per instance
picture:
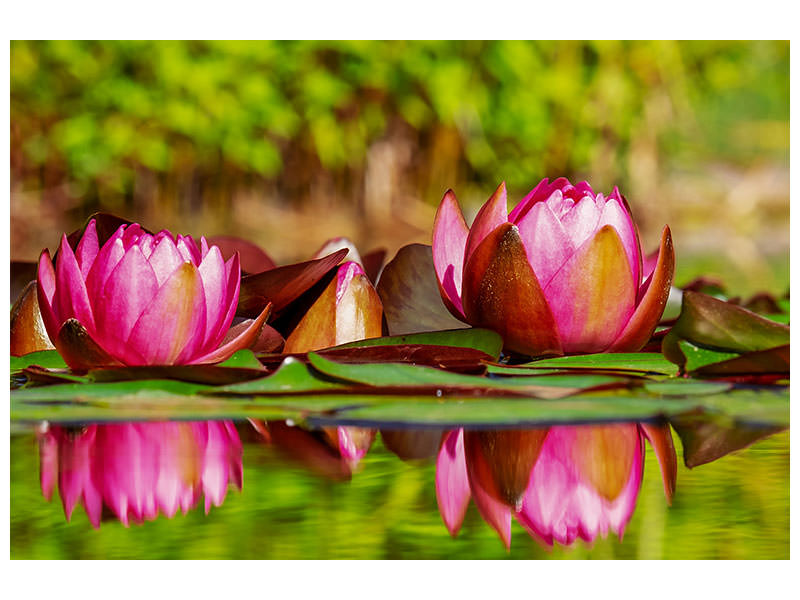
column 348, row 310
column 138, row 470
column 561, row 274
column 141, row 299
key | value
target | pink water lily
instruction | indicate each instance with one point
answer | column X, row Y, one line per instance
column 561, row 483
column 142, row 299
column 561, row 274
column 138, row 470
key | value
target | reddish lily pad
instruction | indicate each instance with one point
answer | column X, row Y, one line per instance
column 410, row 293
column 705, row 440
column 451, row 358
column 719, row 326
column 251, row 257
column 283, row 285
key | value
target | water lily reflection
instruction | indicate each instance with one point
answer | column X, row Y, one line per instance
column 333, row 452
column 137, row 470
column 561, row 483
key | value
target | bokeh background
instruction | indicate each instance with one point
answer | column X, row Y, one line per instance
column 291, row 143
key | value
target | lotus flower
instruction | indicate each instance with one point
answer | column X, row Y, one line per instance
column 142, row 299
column 561, row 483
column 561, row 274
column 137, row 470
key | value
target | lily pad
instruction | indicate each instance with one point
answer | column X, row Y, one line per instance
column 485, row 340
column 49, row 359
column 418, row 378
column 719, row 326
column 642, row 362
column 410, row 293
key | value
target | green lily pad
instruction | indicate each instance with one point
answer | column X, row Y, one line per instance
column 485, row 340
column 643, row 362
column 686, row 387
column 49, row 359
column 292, row 377
column 243, row 359
column 419, row 377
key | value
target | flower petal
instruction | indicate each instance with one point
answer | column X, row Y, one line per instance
column 45, row 294
column 501, row 292
column 452, row 486
column 359, row 311
column 450, row 233
column 107, row 258
column 129, row 289
column 28, row 332
column 614, row 214
column 644, row 319
column 660, row 437
column 165, row 259
column 491, row 215
column 547, row 244
column 173, row 324
column 87, row 249
column 79, row 349
column 593, row 295
column 241, row 336
column 582, row 220
column 215, row 289
column 540, row 193
column 71, row 298
column 485, row 493
column 510, row 456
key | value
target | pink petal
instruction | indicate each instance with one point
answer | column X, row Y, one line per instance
column 238, row 337
column 452, row 486
column 561, row 504
column 188, row 249
column 48, row 462
column 172, row 327
column 592, row 297
column 581, row 221
column 132, row 234
column 233, row 281
column 215, row 288
column 165, row 259
column 450, row 233
column 491, row 215
column 547, row 244
column 71, row 298
column 614, row 214
column 87, row 249
column 129, row 289
column 46, row 290
column 107, row 258
column 541, row 192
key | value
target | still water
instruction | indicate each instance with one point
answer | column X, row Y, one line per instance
column 220, row 489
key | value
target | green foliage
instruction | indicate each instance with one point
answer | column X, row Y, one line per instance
column 102, row 110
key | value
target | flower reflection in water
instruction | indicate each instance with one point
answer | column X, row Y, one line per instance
column 136, row 470
column 332, row 452
column 561, row 483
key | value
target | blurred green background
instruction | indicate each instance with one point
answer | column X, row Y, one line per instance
column 734, row 508
column 291, row 143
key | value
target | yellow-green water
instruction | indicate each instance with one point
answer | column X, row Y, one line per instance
column 736, row 507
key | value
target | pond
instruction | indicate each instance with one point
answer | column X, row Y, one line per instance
column 271, row 489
